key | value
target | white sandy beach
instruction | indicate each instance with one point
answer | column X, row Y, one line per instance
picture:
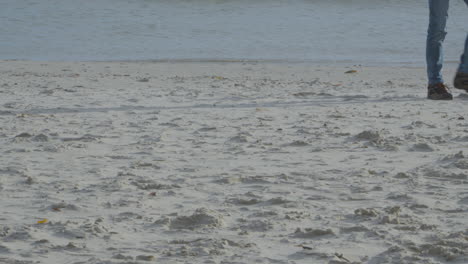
column 190, row 162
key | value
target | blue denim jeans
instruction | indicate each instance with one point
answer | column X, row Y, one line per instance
column 438, row 14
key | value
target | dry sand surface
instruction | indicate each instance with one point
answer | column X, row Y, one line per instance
column 152, row 162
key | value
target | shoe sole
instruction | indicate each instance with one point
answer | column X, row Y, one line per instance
column 441, row 99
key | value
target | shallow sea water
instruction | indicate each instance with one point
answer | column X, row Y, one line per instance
column 361, row 31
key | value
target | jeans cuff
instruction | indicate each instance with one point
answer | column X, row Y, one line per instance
column 463, row 69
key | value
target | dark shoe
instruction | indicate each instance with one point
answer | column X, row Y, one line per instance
column 461, row 81
column 438, row 91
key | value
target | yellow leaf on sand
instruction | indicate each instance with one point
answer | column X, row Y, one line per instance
column 43, row 221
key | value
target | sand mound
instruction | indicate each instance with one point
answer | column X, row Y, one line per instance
column 201, row 218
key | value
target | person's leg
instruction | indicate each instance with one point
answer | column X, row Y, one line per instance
column 461, row 78
column 438, row 13
column 464, row 58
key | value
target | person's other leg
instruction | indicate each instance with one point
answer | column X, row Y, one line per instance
column 464, row 58
column 438, row 13
column 461, row 78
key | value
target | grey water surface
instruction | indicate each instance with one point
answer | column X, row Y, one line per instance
column 361, row 31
